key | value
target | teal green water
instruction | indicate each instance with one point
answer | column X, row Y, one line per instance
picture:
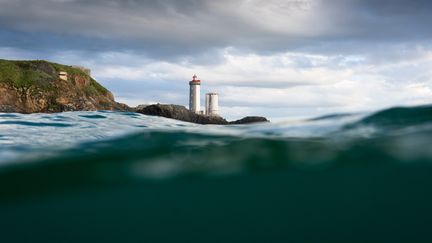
column 125, row 177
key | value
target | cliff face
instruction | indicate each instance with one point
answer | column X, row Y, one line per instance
column 35, row 86
column 181, row 113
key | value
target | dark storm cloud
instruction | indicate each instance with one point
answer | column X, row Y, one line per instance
column 390, row 20
column 44, row 42
column 169, row 29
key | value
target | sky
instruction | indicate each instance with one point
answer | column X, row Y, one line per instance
column 277, row 58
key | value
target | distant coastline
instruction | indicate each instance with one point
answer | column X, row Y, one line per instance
column 40, row 86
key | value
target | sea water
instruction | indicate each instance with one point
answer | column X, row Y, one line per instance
column 125, row 177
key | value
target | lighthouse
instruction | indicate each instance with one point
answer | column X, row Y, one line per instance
column 194, row 94
column 212, row 104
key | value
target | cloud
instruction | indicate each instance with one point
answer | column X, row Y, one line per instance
column 175, row 28
column 276, row 85
column 273, row 57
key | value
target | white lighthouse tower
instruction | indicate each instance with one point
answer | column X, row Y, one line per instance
column 194, row 95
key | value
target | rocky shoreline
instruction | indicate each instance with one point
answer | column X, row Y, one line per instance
column 45, row 87
column 181, row 113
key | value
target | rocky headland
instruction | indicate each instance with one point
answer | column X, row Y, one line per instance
column 36, row 86
column 46, row 87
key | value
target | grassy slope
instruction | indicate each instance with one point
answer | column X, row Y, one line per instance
column 24, row 74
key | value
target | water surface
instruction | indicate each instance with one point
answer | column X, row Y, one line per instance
column 126, row 177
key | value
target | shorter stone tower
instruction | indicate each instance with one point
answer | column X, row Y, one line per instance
column 212, row 104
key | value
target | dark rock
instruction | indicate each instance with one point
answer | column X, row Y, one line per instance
column 181, row 113
column 250, row 119
column 7, row 108
column 140, row 107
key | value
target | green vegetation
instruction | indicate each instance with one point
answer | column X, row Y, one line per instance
column 99, row 88
column 39, row 73
column 23, row 74
column 70, row 70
